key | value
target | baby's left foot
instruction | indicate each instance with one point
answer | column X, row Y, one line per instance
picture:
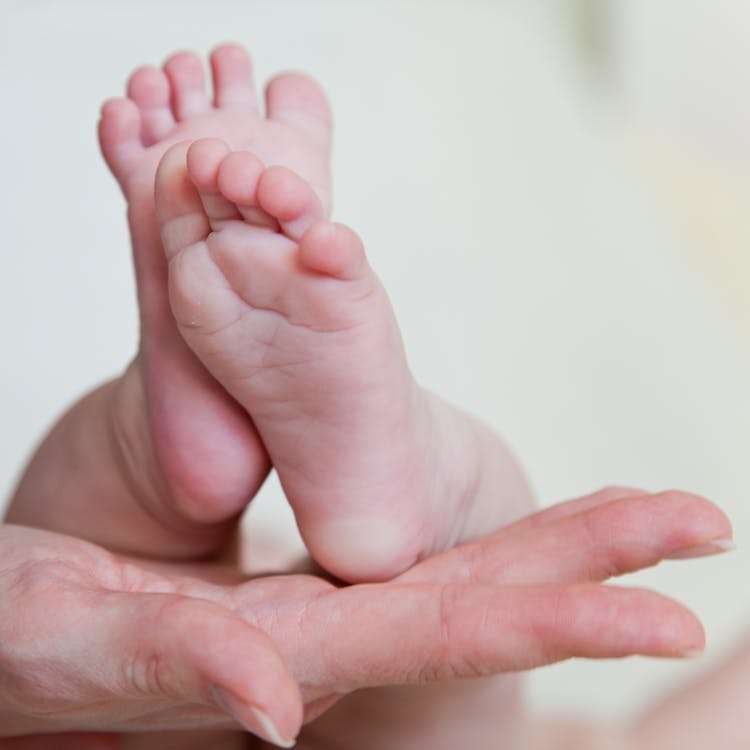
column 286, row 313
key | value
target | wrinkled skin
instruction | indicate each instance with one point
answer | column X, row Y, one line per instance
column 525, row 596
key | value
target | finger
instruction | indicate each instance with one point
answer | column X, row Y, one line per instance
column 196, row 651
column 610, row 539
column 571, row 507
column 367, row 636
column 159, row 659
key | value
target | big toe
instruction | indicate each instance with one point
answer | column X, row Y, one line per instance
column 179, row 208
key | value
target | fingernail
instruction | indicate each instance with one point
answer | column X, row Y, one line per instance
column 252, row 718
column 269, row 733
column 717, row 547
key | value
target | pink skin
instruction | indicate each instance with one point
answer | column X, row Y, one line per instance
column 125, row 649
column 465, row 613
column 283, row 309
column 711, row 711
column 203, row 463
column 209, row 460
column 543, row 547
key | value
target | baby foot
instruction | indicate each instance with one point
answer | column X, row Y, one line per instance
column 208, row 458
column 284, row 310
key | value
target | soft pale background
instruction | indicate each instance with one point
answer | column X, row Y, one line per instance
column 555, row 194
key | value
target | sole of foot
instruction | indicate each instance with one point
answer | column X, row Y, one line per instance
column 283, row 309
column 193, row 452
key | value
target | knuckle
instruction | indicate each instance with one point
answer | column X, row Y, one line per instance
column 615, row 539
column 148, row 669
column 146, row 673
column 557, row 628
column 599, row 551
column 452, row 656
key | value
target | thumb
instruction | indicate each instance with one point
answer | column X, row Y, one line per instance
column 189, row 650
column 142, row 661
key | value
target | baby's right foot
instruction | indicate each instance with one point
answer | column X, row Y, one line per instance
column 284, row 310
column 191, row 451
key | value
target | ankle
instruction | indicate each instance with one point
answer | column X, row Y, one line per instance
column 476, row 477
column 455, row 470
column 131, row 441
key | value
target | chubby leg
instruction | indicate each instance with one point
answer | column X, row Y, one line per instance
column 286, row 313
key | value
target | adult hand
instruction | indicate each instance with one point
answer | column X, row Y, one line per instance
column 369, row 635
column 527, row 595
column 607, row 533
column 90, row 641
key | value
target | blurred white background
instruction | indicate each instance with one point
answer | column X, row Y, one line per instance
column 555, row 193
